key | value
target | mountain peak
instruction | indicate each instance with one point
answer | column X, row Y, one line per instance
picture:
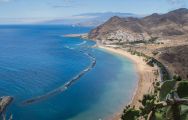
column 180, row 10
column 132, row 29
column 115, row 18
column 155, row 14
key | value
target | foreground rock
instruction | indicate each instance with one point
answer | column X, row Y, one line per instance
column 4, row 103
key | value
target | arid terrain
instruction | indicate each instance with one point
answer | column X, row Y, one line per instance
column 162, row 36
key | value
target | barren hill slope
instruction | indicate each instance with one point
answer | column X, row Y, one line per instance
column 134, row 29
column 170, row 29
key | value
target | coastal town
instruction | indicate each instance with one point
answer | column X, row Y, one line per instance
column 95, row 66
column 147, row 53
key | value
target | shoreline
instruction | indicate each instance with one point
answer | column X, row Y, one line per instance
column 146, row 77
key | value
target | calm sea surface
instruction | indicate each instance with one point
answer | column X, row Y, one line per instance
column 35, row 60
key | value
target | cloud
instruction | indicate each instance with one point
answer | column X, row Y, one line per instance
column 23, row 20
column 80, row 17
column 177, row 3
column 62, row 6
column 65, row 4
column 5, row 0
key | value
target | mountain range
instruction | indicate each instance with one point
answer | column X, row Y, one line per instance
column 118, row 29
column 162, row 36
column 89, row 19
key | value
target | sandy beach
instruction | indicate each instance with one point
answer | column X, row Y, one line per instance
column 146, row 76
column 145, row 72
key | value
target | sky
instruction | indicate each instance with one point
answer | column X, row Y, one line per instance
column 49, row 9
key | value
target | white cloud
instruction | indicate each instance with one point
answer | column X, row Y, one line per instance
column 177, row 3
column 80, row 17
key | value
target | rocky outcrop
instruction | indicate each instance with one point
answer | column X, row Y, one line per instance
column 123, row 30
column 4, row 103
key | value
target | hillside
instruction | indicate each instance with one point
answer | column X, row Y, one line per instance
column 135, row 29
column 162, row 34
column 120, row 30
column 176, row 57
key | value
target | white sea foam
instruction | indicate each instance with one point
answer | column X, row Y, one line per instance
column 82, row 43
column 68, row 47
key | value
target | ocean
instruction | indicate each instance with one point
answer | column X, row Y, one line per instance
column 53, row 77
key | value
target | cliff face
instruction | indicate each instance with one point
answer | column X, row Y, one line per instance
column 4, row 103
column 122, row 30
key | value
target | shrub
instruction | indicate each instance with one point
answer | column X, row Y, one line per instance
column 177, row 78
column 148, row 102
column 166, row 88
column 182, row 89
column 158, row 84
column 155, row 53
column 130, row 113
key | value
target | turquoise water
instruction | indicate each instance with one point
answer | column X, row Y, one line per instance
column 36, row 60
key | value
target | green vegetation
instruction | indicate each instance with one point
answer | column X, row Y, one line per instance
column 134, row 52
column 130, row 113
column 166, row 88
column 177, row 78
column 182, row 89
column 150, row 41
column 152, row 61
column 167, row 103
column 159, row 115
column 148, row 104
column 155, row 53
column 184, row 113
column 163, row 70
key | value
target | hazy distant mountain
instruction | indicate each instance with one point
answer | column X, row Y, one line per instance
column 89, row 19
